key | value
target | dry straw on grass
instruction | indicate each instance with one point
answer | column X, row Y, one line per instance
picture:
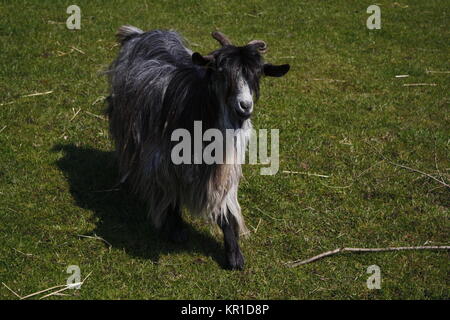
column 61, row 288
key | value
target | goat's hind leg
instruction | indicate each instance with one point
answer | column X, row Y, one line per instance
column 230, row 230
column 174, row 226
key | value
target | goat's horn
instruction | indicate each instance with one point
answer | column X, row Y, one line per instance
column 223, row 39
column 261, row 45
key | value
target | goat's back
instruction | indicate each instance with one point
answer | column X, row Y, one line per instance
column 161, row 45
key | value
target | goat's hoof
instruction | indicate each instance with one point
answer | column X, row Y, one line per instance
column 179, row 236
column 235, row 260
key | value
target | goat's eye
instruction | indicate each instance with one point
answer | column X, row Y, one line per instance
column 220, row 69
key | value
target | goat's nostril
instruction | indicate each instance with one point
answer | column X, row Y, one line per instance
column 246, row 105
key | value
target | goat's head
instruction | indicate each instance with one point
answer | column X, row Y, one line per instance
column 236, row 72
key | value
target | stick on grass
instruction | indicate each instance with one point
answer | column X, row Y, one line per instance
column 96, row 237
column 306, row 174
column 42, row 291
column 419, row 84
column 37, row 94
column 340, row 250
column 12, row 291
column 96, row 115
column 421, row 172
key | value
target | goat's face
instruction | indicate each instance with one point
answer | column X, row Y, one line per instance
column 236, row 72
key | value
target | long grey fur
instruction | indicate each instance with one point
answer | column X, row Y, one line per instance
column 142, row 116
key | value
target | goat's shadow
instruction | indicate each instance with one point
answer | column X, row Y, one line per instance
column 120, row 218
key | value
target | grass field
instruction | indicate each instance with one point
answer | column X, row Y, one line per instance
column 341, row 112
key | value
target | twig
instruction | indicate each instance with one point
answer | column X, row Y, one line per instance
column 251, row 15
column 354, row 179
column 411, row 169
column 340, row 250
column 403, row 6
column 419, row 84
column 62, row 294
column 25, row 254
column 268, row 214
column 67, row 286
column 436, row 164
column 1, row 130
column 96, row 237
column 42, row 291
column 28, row 95
column 256, row 229
column 76, row 49
column 113, row 46
column 307, row 173
column 60, row 53
column 37, row 94
column 75, row 114
column 101, row 98
column 57, row 292
column 254, row 15
column 12, row 291
column 421, row 172
column 329, row 80
column 95, row 115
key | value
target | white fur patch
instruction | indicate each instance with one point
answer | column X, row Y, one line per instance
column 245, row 93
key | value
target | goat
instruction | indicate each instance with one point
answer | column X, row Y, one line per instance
column 158, row 85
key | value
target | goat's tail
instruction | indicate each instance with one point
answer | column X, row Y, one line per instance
column 127, row 32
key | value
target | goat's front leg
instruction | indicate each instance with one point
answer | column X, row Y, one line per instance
column 174, row 226
column 230, row 231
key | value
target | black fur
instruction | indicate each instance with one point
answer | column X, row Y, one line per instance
column 158, row 85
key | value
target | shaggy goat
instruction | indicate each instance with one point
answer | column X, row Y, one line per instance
column 159, row 85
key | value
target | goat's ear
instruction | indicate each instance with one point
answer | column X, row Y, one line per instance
column 276, row 71
column 200, row 60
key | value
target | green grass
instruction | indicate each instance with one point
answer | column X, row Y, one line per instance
column 52, row 167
